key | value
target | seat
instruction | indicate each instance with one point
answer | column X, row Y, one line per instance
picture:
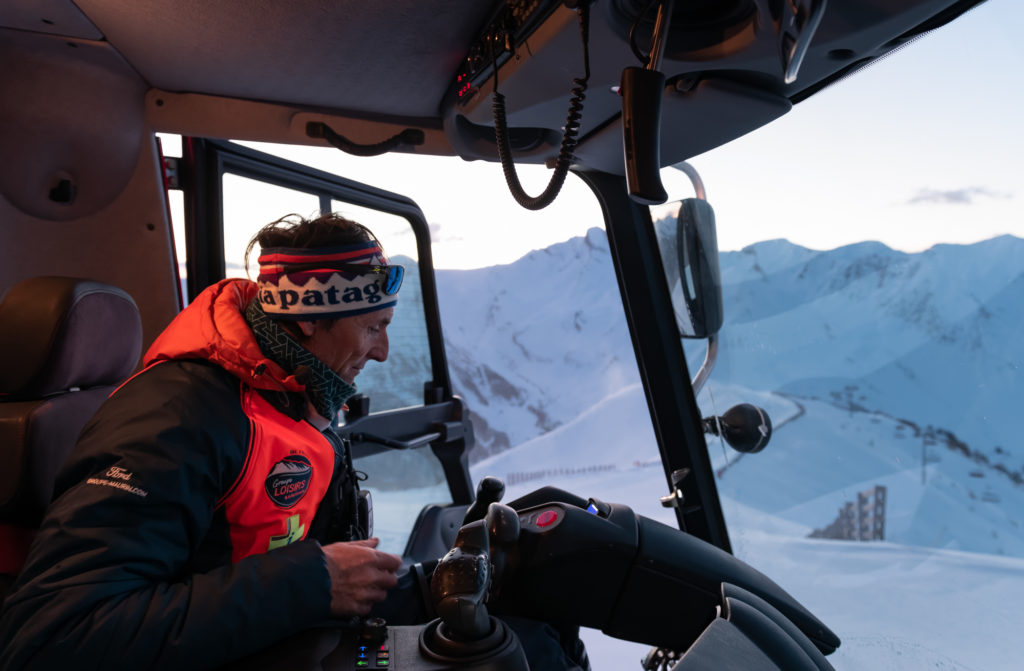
column 65, row 343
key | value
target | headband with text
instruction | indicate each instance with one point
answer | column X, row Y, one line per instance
column 326, row 283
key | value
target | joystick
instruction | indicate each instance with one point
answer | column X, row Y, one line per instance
column 503, row 527
column 460, row 583
column 465, row 632
column 490, row 490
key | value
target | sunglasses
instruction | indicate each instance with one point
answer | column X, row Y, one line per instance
column 391, row 275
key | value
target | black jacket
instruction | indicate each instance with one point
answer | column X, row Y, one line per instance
column 166, row 595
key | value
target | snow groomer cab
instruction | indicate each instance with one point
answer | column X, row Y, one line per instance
column 110, row 224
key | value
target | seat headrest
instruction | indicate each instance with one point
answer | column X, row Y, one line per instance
column 57, row 333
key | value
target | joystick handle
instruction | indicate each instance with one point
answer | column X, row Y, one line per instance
column 460, row 583
column 503, row 526
column 503, row 529
column 490, row 490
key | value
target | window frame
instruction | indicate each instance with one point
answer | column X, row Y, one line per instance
column 206, row 161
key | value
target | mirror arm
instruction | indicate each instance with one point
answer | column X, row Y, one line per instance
column 709, row 363
column 691, row 172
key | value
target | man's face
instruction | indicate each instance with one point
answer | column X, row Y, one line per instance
column 348, row 343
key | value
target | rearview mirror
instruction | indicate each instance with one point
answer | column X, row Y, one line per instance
column 689, row 251
column 697, row 292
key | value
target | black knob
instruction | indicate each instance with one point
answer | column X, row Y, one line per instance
column 746, row 427
column 374, row 630
column 490, row 490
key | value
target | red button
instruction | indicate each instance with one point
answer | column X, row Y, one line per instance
column 547, row 518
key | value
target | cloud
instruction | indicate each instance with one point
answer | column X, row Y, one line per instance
column 436, row 237
column 966, row 196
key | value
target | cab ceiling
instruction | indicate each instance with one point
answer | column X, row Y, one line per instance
column 371, row 69
column 311, row 53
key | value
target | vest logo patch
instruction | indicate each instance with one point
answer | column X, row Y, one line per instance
column 294, row 531
column 288, row 480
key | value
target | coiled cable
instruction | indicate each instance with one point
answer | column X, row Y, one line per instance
column 569, row 136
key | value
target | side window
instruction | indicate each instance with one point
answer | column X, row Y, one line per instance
column 401, row 483
column 170, row 149
column 249, row 205
column 398, row 383
column 256, row 188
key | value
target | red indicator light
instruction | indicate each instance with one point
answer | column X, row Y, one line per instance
column 547, row 518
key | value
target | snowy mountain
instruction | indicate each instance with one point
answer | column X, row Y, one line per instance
column 524, row 363
column 892, row 368
column 878, row 368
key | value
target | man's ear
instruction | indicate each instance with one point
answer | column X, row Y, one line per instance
column 307, row 327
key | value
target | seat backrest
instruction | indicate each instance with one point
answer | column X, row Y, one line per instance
column 65, row 343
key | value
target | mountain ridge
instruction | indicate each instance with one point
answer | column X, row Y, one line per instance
column 873, row 338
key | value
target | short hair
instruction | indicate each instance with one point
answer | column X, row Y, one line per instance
column 293, row 230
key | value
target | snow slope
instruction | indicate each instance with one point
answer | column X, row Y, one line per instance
column 895, row 607
column 877, row 368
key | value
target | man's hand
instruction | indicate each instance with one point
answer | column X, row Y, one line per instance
column 360, row 575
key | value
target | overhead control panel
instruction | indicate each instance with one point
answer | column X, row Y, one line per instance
column 504, row 33
column 719, row 56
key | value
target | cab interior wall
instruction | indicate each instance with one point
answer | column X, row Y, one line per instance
column 81, row 188
column 220, row 118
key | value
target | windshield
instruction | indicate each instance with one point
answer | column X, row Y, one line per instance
column 875, row 315
column 872, row 302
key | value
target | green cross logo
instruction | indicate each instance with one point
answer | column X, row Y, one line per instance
column 294, row 532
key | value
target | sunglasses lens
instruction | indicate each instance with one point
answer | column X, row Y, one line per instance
column 393, row 280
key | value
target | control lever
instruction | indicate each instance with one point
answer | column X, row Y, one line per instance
column 460, row 583
column 502, row 524
column 641, row 134
column 465, row 635
column 472, row 569
column 641, row 90
column 490, row 490
column 394, row 443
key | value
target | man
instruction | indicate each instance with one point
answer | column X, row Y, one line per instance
column 183, row 528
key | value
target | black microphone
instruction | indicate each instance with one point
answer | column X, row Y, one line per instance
column 747, row 428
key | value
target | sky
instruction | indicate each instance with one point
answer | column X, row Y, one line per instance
column 921, row 147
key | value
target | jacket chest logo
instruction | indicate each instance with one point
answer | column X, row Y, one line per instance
column 288, row 480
